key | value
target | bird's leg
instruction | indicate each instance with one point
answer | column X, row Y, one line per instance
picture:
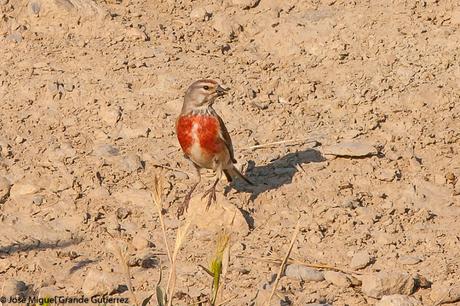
column 212, row 191
column 183, row 207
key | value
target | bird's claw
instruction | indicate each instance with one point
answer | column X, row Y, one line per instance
column 212, row 196
column 184, row 206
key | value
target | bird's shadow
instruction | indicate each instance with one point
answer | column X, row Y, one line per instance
column 276, row 173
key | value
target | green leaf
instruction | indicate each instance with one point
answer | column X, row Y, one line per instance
column 161, row 297
column 146, row 301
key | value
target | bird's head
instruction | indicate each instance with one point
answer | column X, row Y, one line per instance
column 203, row 93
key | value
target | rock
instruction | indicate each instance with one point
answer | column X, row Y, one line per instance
column 123, row 213
column 225, row 25
column 338, row 279
column 218, row 215
column 34, row 7
column 140, row 242
column 304, row 273
column 246, row 4
column 19, row 139
column 387, row 175
column 38, row 199
column 360, row 260
column 199, row 13
column 386, row 283
column 14, row 37
column 445, row 292
column 101, row 283
column 131, row 162
column 350, row 149
column 22, row 189
column 5, row 148
column 111, row 115
column 398, row 300
column 105, row 150
column 134, row 33
column 5, row 187
column 14, row 288
column 65, row 150
column 409, row 260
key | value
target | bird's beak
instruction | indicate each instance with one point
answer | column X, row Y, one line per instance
column 221, row 90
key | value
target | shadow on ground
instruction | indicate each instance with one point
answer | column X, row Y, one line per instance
column 276, row 173
column 10, row 249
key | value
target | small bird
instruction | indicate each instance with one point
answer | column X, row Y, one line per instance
column 204, row 138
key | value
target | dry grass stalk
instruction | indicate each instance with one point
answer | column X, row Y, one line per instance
column 157, row 196
column 299, row 262
column 226, row 301
column 271, row 144
column 173, row 169
column 123, row 259
column 180, row 237
column 283, row 263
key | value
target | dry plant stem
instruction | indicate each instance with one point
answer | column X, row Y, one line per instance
column 172, row 169
column 325, row 267
column 298, row 262
column 181, row 233
column 226, row 301
column 157, row 198
column 283, row 263
column 127, row 273
column 271, row 144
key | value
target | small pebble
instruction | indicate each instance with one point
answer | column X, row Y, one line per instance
column 5, row 187
column 105, row 150
column 360, row 260
column 338, row 279
column 304, row 273
column 387, row 283
column 446, row 292
column 38, row 199
column 13, row 287
column 350, row 149
column 35, row 7
column 140, row 242
column 123, row 213
column 19, row 140
column 101, row 283
column 398, row 300
column 409, row 260
column 15, row 37
column 199, row 13
column 131, row 162
column 23, row 189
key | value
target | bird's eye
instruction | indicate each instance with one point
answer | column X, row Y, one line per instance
column 206, row 87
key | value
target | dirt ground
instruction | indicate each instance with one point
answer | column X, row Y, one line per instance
column 361, row 99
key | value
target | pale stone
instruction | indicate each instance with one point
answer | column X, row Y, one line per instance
column 350, row 149
column 385, row 283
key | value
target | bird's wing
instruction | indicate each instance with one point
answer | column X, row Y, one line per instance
column 225, row 136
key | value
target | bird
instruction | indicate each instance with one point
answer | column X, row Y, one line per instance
column 204, row 139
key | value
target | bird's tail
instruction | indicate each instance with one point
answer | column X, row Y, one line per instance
column 232, row 172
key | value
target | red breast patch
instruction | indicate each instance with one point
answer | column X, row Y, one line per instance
column 206, row 129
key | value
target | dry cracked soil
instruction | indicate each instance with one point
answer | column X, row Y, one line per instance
column 344, row 113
